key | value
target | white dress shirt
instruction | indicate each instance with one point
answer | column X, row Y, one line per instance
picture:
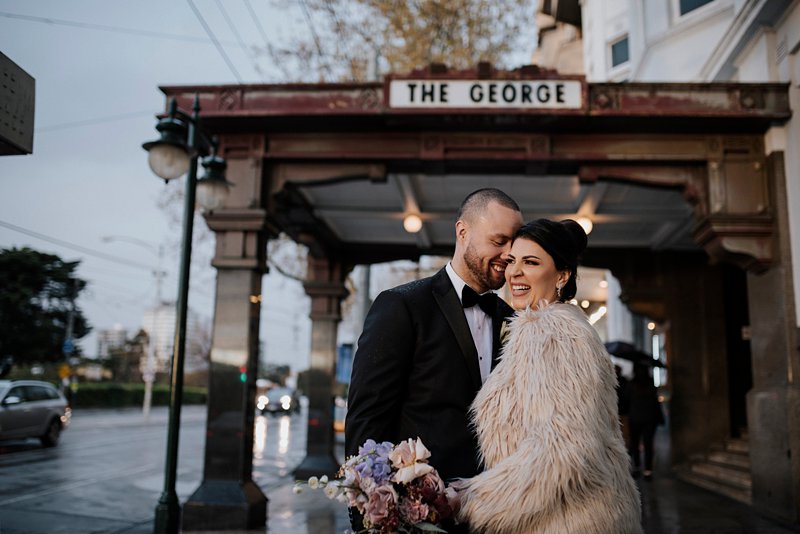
column 480, row 325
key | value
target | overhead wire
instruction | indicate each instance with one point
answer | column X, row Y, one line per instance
column 73, row 246
column 271, row 50
column 239, row 39
column 103, row 27
column 88, row 122
column 317, row 42
column 213, row 38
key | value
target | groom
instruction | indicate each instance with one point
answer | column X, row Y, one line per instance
column 427, row 346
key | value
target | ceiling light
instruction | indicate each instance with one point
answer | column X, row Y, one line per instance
column 603, row 284
column 412, row 223
column 651, row 325
column 586, row 224
column 585, row 304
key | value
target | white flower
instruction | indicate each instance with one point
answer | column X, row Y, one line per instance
column 331, row 491
column 297, row 490
column 323, row 481
column 411, row 460
column 313, row 483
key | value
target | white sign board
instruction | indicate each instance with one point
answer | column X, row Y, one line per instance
column 521, row 94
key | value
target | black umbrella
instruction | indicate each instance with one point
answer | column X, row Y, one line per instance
column 626, row 351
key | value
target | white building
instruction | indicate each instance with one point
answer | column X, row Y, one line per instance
column 686, row 41
column 109, row 339
column 159, row 324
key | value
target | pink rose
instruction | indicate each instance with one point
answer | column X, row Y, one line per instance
column 430, row 485
column 414, row 511
column 380, row 501
column 410, row 458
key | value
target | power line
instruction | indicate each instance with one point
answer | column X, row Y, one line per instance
column 239, row 39
column 314, row 34
column 73, row 246
column 258, row 25
column 270, row 49
column 88, row 122
column 102, row 27
column 215, row 41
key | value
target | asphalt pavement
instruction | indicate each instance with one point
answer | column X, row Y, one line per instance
column 107, row 473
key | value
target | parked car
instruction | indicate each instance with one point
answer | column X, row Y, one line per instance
column 32, row 409
column 278, row 400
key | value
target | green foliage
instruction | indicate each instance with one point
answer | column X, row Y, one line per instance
column 113, row 395
column 38, row 291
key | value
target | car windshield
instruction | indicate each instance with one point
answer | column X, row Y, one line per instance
column 277, row 393
column 4, row 385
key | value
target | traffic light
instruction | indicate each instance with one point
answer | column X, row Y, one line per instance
column 243, row 373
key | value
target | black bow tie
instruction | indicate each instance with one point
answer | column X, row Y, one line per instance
column 487, row 301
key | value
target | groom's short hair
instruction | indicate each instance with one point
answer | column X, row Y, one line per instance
column 477, row 201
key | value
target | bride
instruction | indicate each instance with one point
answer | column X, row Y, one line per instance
column 546, row 418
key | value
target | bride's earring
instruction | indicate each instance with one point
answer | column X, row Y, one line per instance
column 558, row 292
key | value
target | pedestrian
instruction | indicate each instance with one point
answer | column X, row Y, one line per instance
column 644, row 415
column 428, row 346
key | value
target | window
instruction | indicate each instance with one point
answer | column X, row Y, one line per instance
column 619, row 52
column 685, row 6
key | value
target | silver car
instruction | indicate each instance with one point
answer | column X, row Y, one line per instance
column 32, row 409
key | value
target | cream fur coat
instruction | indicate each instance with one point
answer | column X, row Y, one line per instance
column 549, row 435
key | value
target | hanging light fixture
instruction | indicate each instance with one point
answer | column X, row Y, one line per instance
column 412, row 223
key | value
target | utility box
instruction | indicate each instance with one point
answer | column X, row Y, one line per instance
column 17, row 95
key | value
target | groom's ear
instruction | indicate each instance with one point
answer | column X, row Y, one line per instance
column 461, row 230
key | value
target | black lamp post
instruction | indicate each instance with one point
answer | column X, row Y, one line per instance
column 181, row 144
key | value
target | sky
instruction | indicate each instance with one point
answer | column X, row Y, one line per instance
column 98, row 65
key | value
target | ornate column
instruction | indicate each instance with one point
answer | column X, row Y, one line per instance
column 227, row 498
column 326, row 288
column 773, row 405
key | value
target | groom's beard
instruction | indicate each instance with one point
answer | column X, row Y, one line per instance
column 483, row 274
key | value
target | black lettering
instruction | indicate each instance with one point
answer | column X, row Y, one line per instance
column 543, row 94
column 411, row 87
column 427, row 92
column 526, row 94
column 476, row 92
column 509, row 96
column 443, row 93
column 492, row 93
column 560, row 93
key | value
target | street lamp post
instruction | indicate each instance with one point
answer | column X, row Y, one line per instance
column 181, row 144
column 149, row 371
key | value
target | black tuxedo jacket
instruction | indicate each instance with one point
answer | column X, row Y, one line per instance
column 416, row 372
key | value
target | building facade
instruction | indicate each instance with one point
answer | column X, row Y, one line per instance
column 720, row 41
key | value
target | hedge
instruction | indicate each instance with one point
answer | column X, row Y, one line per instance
column 112, row 395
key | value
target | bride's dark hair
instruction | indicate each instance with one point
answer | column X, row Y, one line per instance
column 564, row 241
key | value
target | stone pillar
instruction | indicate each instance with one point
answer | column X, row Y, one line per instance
column 227, row 498
column 686, row 294
column 326, row 288
column 698, row 359
column 773, row 405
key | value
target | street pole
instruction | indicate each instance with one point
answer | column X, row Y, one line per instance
column 168, row 509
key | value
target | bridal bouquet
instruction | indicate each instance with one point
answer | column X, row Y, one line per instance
column 392, row 486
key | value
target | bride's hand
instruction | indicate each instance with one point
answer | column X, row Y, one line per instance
column 453, row 494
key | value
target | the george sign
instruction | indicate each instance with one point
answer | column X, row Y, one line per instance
column 521, row 94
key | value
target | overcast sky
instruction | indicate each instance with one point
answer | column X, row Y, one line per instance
column 97, row 66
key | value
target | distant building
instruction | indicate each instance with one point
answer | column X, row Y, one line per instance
column 109, row 339
column 159, row 325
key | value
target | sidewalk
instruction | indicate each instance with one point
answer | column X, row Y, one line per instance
column 87, row 505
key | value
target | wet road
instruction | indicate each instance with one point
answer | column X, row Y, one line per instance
column 108, row 470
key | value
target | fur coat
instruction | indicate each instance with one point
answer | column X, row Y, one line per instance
column 549, row 435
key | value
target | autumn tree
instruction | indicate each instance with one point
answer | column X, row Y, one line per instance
column 357, row 39
column 37, row 302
